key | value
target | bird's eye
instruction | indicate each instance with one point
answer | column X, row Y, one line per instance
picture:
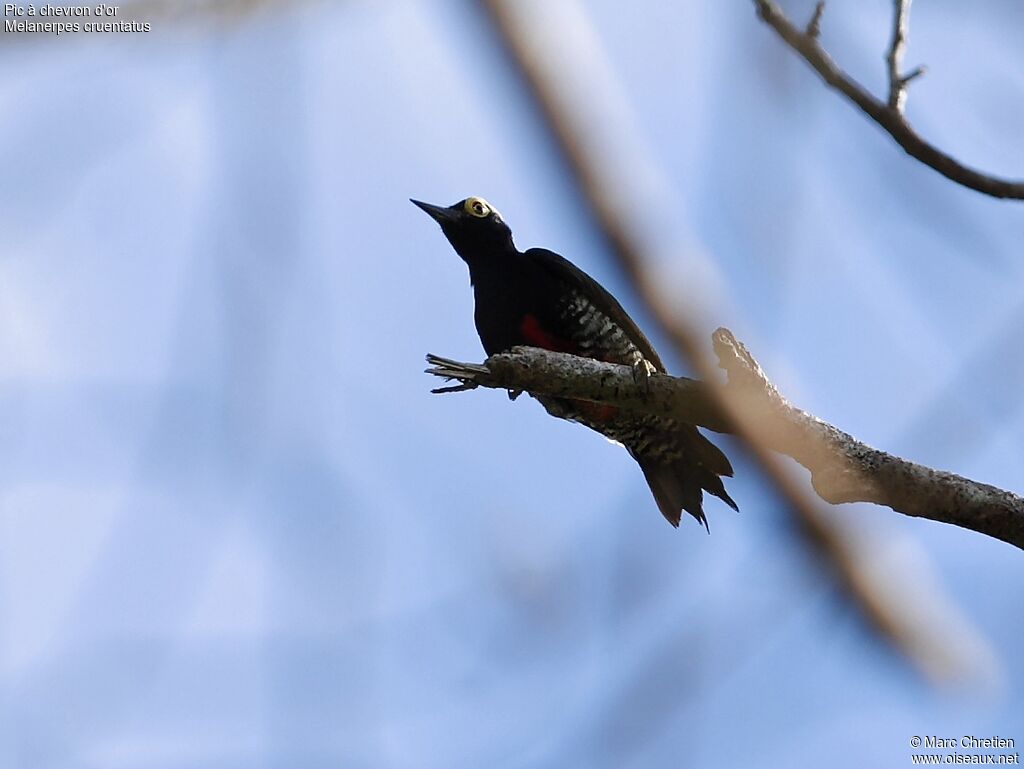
column 477, row 207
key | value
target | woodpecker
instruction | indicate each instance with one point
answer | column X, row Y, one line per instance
column 540, row 299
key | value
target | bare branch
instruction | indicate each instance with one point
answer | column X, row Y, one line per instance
column 842, row 468
column 888, row 115
column 542, row 372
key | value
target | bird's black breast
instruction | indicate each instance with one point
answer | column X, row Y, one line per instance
column 503, row 296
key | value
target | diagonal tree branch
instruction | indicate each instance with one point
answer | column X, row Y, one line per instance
column 843, row 469
column 889, row 114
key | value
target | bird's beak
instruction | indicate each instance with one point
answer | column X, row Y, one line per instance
column 439, row 214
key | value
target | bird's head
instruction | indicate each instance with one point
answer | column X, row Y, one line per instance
column 473, row 227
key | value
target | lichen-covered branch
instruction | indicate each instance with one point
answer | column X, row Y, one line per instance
column 543, row 372
column 842, row 468
column 888, row 114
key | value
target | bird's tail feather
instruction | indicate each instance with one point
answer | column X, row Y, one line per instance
column 679, row 486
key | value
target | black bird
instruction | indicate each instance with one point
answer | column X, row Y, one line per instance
column 537, row 298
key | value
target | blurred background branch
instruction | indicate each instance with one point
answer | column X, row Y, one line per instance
column 889, row 114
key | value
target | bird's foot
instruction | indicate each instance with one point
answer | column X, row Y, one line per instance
column 642, row 370
column 513, row 394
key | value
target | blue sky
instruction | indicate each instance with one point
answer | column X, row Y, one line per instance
column 237, row 530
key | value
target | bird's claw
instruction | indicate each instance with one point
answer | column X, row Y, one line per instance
column 513, row 394
column 642, row 370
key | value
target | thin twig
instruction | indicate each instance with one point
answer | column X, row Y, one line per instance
column 900, row 25
column 814, row 25
column 887, row 115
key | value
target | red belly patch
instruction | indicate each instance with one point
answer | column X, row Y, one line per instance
column 536, row 336
column 596, row 412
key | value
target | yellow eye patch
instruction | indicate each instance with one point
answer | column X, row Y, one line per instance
column 477, row 207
